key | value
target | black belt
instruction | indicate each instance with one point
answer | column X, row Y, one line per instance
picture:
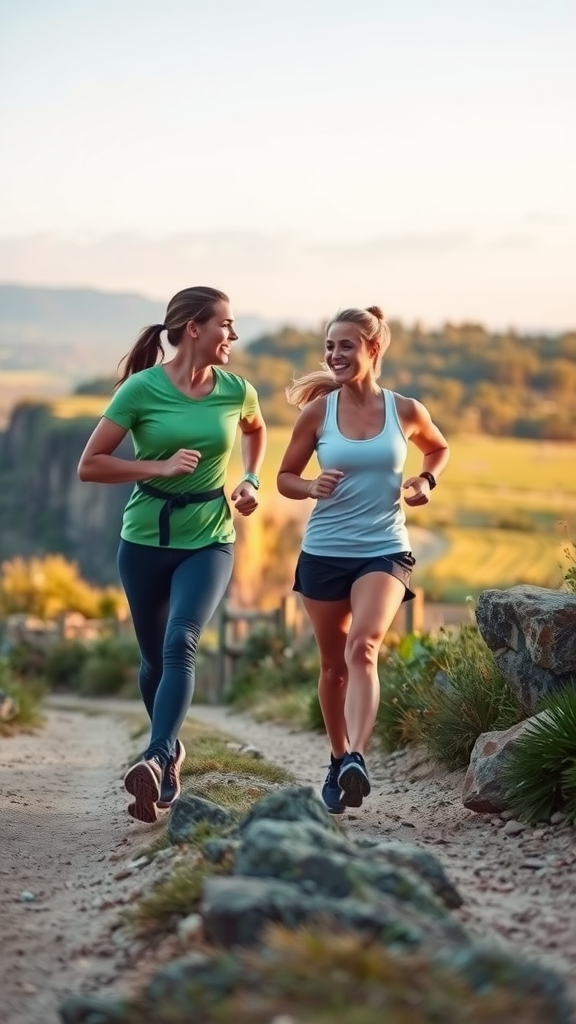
column 172, row 501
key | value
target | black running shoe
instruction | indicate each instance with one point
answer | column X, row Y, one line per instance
column 170, row 788
column 331, row 788
column 353, row 780
column 143, row 781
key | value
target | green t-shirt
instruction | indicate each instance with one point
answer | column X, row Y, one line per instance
column 161, row 420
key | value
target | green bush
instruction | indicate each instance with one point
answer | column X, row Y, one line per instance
column 443, row 692
column 541, row 776
column 111, row 668
column 27, row 661
column 406, row 676
column 92, row 668
column 28, row 696
column 64, row 662
column 473, row 699
column 269, row 663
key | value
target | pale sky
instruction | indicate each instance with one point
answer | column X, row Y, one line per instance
column 300, row 154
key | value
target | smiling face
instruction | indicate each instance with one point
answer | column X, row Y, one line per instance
column 348, row 356
column 213, row 340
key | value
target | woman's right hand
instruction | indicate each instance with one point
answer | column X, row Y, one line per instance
column 325, row 484
column 183, row 461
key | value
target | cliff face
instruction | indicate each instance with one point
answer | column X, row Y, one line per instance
column 44, row 507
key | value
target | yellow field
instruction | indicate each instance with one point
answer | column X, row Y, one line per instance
column 489, row 482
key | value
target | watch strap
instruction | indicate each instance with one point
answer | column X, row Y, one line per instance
column 430, row 478
column 251, row 478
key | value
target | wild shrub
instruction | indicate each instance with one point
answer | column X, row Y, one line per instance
column 269, row 663
column 541, row 776
column 28, row 696
column 406, row 679
column 474, row 698
column 111, row 668
column 570, row 571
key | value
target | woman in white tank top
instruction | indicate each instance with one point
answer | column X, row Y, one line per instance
column 354, row 568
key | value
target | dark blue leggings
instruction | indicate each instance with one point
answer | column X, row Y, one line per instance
column 173, row 594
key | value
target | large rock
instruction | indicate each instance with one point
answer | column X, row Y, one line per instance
column 237, row 911
column 295, row 853
column 485, row 784
column 189, row 813
column 294, row 803
column 532, row 633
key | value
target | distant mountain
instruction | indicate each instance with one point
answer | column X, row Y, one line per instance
column 81, row 331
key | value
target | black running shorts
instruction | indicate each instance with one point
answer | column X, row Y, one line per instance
column 323, row 578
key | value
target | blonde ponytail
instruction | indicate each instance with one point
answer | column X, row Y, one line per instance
column 313, row 385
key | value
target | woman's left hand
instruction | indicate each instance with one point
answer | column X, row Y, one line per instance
column 244, row 498
column 421, row 488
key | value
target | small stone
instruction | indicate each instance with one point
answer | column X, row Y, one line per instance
column 557, row 818
column 534, row 863
column 136, row 865
column 122, row 874
column 189, row 927
column 26, row 897
column 247, row 750
column 514, row 828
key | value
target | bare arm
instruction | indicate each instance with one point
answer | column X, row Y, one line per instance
column 253, row 442
column 420, row 429
column 99, row 465
column 300, row 450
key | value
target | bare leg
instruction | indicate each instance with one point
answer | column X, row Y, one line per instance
column 375, row 599
column 330, row 622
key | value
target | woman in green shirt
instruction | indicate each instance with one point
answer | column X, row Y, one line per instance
column 176, row 548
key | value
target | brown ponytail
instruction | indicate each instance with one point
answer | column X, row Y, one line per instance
column 143, row 354
column 189, row 304
column 374, row 329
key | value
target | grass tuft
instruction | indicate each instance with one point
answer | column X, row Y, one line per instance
column 28, row 696
column 173, row 898
column 318, row 977
column 541, row 776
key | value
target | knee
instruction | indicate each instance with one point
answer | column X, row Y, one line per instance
column 362, row 651
column 334, row 673
column 181, row 640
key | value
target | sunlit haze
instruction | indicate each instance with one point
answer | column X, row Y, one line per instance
column 300, row 155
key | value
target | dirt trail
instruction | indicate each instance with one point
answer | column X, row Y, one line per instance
column 63, row 824
column 66, row 841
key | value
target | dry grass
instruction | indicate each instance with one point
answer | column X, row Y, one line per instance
column 318, row 977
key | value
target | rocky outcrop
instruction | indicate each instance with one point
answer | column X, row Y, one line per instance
column 485, row 786
column 44, row 506
column 532, row 634
column 293, row 867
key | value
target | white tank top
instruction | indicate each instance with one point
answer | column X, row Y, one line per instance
column 364, row 517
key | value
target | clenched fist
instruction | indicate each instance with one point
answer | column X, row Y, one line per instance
column 325, row 484
column 184, row 460
column 421, row 488
column 244, row 498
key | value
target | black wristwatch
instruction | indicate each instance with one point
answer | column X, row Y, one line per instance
column 428, row 476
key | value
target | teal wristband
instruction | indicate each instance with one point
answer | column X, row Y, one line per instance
column 251, row 478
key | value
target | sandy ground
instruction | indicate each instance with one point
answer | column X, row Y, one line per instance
column 68, row 848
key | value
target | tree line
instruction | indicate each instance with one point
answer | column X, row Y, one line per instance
column 471, row 380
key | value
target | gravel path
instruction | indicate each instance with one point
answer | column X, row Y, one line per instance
column 67, row 843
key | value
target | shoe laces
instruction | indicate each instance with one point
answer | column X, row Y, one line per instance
column 171, row 772
column 332, row 777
